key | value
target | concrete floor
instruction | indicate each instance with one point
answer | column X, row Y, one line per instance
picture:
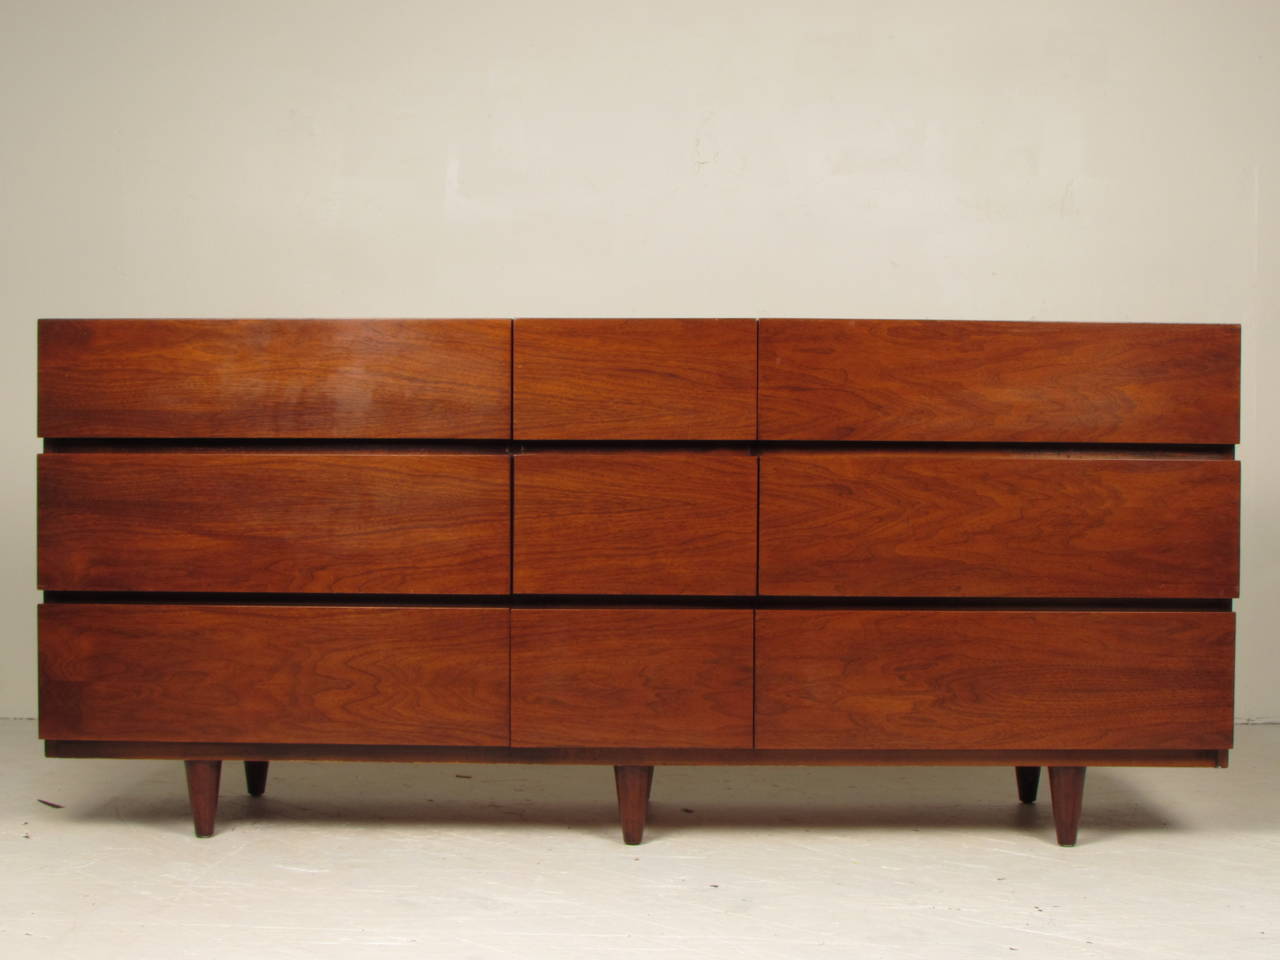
column 388, row 860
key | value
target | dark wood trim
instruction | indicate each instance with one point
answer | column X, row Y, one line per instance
column 536, row 600
column 1099, row 451
column 629, row 757
column 1071, row 451
column 278, row 445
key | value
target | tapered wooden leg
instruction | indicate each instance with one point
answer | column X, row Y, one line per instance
column 202, row 788
column 1028, row 783
column 255, row 777
column 1067, row 786
column 634, row 784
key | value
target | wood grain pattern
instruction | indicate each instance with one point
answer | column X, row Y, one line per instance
column 635, row 523
column 863, row 525
column 626, row 379
column 275, row 378
column 367, row 675
column 1016, row 680
column 275, row 522
column 930, row 380
column 631, row 678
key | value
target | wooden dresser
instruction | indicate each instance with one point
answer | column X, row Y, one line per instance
column 639, row 542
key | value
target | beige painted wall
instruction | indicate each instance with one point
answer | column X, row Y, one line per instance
column 1005, row 160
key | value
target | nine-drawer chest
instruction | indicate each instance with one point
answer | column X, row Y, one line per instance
column 637, row 542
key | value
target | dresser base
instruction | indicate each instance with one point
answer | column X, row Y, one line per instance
column 633, row 768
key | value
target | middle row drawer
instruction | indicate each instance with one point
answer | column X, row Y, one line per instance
column 639, row 523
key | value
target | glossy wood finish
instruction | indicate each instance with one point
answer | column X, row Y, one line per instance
column 847, row 524
column 367, row 675
column 275, row 378
column 286, row 522
column 255, row 777
column 628, row 379
column 1028, row 783
column 240, row 462
column 635, row 523
column 202, row 791
column 1066, row 784
column 633, row 785
column 925, row 380
column 631, row 677
column 1012, row 680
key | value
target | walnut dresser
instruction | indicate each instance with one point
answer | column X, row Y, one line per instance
column 639, row 542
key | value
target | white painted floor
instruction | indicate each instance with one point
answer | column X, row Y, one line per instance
column 387, row 860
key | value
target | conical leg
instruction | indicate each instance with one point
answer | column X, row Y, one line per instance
column 1067, row 786
column 634, row 784
column 202, row 789
column 1028, row 783
column 255, row 777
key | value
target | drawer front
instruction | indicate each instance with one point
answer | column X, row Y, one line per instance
column 274, row 674
column 970, row 680
column 631, row 678
column 929, row 380
column 635, row 523
column 635, row 379
column 304, row 522
column 960, row 526
column 275, row 378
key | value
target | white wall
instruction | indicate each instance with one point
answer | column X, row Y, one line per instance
column 1005, row 160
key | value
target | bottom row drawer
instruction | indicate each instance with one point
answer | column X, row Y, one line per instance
column 994, row 680
column 274, row 674
column 638, row 677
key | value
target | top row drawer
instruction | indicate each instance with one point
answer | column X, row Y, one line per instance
column 622, row 379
